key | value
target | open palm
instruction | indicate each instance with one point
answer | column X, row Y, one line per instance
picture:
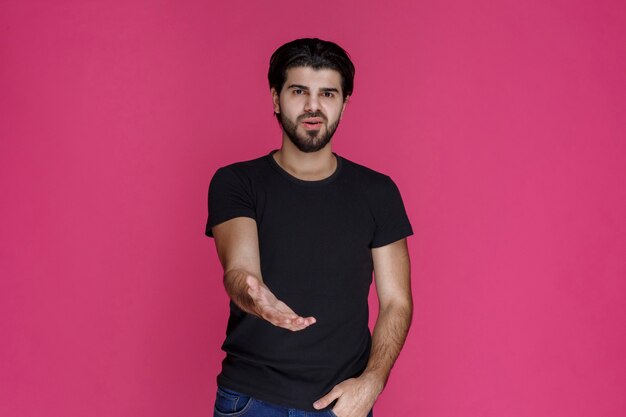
column 272, row 309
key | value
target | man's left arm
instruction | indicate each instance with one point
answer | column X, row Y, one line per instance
column 392, row 272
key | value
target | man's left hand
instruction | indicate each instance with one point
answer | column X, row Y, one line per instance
column 355, row 396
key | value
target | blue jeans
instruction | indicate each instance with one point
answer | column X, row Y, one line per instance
column 229, row 403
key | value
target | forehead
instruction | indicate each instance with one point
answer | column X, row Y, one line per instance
column 313, row 78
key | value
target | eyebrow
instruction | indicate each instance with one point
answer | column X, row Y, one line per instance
column 304, row 87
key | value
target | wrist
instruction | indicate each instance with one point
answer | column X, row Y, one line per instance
column 377, row 379
column 235, row 282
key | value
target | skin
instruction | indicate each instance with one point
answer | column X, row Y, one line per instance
column 237, row 246
column 322, row 94
column 356, row 396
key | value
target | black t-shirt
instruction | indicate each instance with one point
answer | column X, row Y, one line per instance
column 315, row 241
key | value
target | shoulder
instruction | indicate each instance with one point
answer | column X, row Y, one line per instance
column 241, row 177
column 378, row 188
column 246, row 171
column 244, row 167
column 372, row 180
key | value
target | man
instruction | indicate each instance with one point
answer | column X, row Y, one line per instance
column 299, row 232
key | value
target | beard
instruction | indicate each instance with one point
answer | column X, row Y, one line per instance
column 311, row 140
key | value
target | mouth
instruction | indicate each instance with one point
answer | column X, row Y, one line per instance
column 312, row 123
column 312, row 126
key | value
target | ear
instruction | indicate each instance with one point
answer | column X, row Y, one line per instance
column 275, row 100
column 343, row 107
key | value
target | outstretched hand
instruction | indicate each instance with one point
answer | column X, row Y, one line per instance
column 270, row 308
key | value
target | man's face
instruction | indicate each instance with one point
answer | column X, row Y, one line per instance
column 310, row 106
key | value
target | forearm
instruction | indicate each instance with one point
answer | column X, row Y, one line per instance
column 390, row 331
column 356, row 396
column 388, row 337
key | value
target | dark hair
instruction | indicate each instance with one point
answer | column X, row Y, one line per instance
column 314, row 53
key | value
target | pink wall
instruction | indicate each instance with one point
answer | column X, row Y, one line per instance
column 501, row 122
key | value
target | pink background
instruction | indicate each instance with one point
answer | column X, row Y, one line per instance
column 501, row 122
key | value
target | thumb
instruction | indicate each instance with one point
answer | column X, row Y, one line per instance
column 252, row 282
column 327, row 399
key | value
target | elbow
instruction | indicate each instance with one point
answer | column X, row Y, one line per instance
column 402, row 306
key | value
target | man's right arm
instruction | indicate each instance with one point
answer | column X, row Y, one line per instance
column 237, row 244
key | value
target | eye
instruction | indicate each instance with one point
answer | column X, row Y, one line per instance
column 298, row 91
column 328, row 94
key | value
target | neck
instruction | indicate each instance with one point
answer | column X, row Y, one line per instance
column 312, row 166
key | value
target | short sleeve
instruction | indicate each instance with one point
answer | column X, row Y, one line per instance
column 230, row 196
column 392, row 222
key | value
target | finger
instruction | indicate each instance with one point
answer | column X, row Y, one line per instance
column 327, row 399
column 262, row 296
column 287, row 312
column 296, row 324
column 280, row 314
column 301, row 324
column 253, row 286
column 252, row 282
column 278, row 318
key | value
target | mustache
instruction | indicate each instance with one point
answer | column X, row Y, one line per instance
column 313, row 114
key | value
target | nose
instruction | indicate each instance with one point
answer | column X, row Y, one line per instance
column 312, row 103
